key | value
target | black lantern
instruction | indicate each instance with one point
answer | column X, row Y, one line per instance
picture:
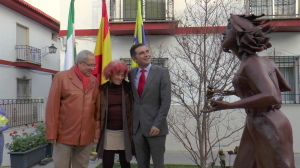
column 52, row 49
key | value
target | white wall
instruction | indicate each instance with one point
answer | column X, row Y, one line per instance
column 40, row 82
column 284, row 43
column 83, row 14
column 8, row 34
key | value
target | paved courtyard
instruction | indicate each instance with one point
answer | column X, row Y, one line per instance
column 171, row 157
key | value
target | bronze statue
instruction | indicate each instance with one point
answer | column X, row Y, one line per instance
column 267, row 140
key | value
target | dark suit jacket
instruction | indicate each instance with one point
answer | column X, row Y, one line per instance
column 152, row 108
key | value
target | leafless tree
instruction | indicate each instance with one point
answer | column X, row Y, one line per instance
column 196, row 61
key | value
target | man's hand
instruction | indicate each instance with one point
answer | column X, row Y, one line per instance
column 52, row 141
column 154, row 131
column 96, row 140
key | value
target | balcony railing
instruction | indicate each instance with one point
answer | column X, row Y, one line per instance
column 281, row 16
column 121, row 10
column 275, row 8
column 29, row 54
column 290, row 70
column 23, row 111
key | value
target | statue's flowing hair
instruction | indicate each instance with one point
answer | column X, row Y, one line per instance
column 251, row 36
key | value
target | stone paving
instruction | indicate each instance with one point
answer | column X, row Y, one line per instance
column 171, row 157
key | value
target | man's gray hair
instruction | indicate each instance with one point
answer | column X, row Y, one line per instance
column 82, row 55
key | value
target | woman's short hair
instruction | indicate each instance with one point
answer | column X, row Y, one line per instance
column 251, row 36
column 115, row 67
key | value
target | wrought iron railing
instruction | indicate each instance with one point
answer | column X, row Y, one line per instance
column 275, row 8
column 27, row 53
column 281, row 16
column 121, row 10
column 162, row 62
column 289, row 68
column 23, row 111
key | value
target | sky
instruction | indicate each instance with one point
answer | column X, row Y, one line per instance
column 50, row 7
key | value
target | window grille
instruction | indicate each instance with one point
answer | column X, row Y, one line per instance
column 23, row 111
column 155, row 10
column 162, row 62
column 274, row 8
column 289, row 69
column 125, row 10
column 23, row 88
column 129, row 10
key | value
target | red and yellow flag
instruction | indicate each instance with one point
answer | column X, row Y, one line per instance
column 103, row 46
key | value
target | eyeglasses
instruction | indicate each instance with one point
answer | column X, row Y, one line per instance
column 90, row 65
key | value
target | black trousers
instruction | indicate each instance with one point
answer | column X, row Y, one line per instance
column 109, row 159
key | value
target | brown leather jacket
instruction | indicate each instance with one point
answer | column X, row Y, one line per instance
column 72, row 114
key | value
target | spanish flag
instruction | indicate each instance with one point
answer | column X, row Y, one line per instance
column 103, row 46
column 139, row 32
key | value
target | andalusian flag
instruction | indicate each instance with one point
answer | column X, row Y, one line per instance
column 139, row 32
column 70, row 48
column 102, row 48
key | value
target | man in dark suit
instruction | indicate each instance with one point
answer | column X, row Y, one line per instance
column 152, row 97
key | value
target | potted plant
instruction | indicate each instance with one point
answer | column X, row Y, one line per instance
column 27, row 149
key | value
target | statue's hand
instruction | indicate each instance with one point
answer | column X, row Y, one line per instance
column 229, row 92
column 212, row 92
column 216, row 105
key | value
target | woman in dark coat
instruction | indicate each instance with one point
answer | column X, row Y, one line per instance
column 267, row 140
column 116, row 116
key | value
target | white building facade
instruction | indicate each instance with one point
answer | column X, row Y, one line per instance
column 158, row 25
column 284, row 40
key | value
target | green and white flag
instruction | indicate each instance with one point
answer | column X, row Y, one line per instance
column 70, row 48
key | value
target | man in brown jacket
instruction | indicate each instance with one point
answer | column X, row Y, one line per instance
column 72, row 113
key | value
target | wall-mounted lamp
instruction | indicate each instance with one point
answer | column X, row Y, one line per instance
column 51, row 49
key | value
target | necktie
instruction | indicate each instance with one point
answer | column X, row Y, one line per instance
column 142, row 81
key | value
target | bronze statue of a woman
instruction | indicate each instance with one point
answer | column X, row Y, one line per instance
column 267, row 140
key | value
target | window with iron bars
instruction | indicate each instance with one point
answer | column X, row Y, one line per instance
column 125, row 10
column 154, row 9
column 275, row 8
column 156, row 61
column 23, row 88
column 289, row 69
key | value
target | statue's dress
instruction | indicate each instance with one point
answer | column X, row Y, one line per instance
column 267, row 140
